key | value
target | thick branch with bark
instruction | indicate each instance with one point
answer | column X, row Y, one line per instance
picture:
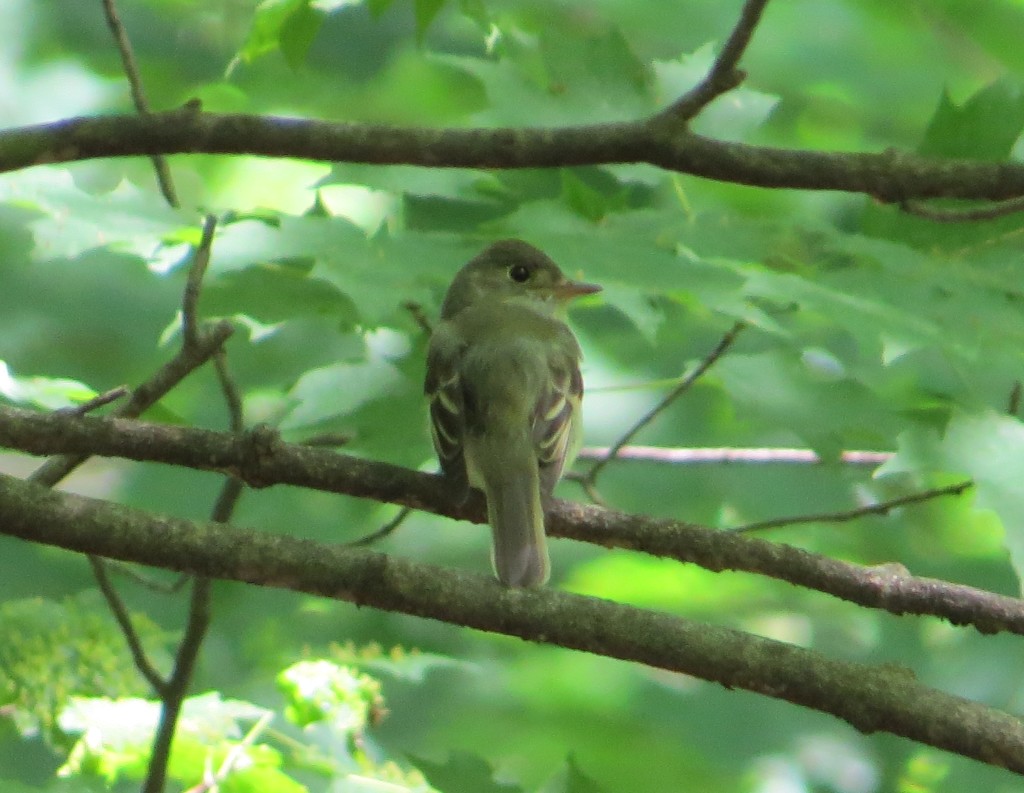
column 890, row 176
column 870, row 698
column 663, row 140
column 260, row 459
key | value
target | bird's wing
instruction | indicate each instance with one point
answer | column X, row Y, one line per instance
column 447, row 411
column 554, row 417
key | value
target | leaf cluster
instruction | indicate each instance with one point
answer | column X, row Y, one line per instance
column 867, row 327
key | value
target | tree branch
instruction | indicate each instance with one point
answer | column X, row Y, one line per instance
column 968, row 215
column 870, row 698
column 97, row 401
column 131, row 70
column 727, row 455
column 190, row 326
column 684, row 385
column 146, row 394
column 124, row 620
column 890, row 176
column 840, row 516
column 725, row 74
column 172, row 694
column 260, row 458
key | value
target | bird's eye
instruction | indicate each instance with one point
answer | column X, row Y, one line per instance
column 519, row 273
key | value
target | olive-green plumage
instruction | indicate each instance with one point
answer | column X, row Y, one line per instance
column 505, row 389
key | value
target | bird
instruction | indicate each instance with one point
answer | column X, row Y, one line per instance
column 504, row 390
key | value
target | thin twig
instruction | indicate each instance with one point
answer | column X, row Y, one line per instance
column 227, row 499
column 124, row 619
column 419, row 316
column 724, row 344
column 383, row 531
column 173, row 695
column 211, row 781
column 881, row 508
column 174, row 692
column 988, row 212
column 196, row 271
column 148, row 583
column 229, row 389
column 588, row 487
column 1013, row 406
column 144, row 396
column 131, row 70
column 724, row 74
column 97, row 401
column 729, row 454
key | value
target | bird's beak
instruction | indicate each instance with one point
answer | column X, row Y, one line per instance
column 567, row 290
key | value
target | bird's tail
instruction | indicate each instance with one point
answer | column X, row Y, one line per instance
column 516, row 515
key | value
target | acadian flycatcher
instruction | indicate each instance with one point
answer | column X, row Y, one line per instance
column 503, row 379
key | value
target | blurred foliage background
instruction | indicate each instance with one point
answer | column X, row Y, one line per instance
column 869, row 329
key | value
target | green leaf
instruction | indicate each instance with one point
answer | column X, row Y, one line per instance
column 989, row 448
column 358, row 268
column 983, row 447
column 274, row 292
column 652, row 583
column 117, row 735
column 267, row 29
column 596, row 61
column 776, row 386
column 464, row 772
column 362, row 784
column 378, row 7
column 918, row 450
column 984, row 127
column 74, row 221
column 55, row 785
column 576, row 781
column 13, row 786
column 872, row 320
column 440, row 213
column 322, row 691
column 260, row 776
column 925, row 771
column 52, row 651
column 477, row 11
column 298, row 30
column 638, row 306
column 49, row 393
column 425, row 10
column 582, row 198
column 559, row 73
column 338, row 390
